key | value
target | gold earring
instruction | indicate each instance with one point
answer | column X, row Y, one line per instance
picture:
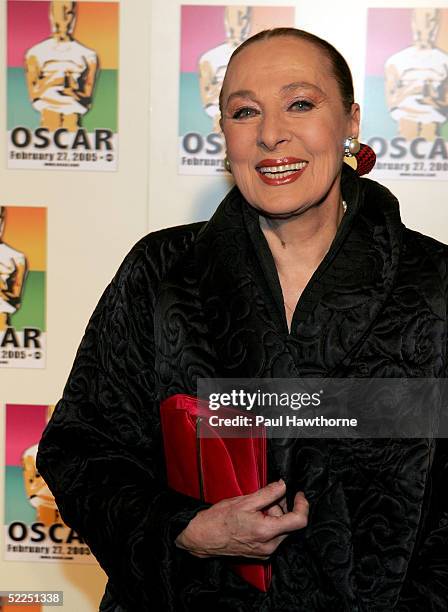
column 351, row 146
column 227, row 165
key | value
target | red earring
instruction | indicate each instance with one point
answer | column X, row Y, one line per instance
column 365, row 159
column 363, row 154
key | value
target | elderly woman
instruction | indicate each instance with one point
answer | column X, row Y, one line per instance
column 305, row 269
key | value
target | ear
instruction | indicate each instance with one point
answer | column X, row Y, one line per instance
column 355, row 118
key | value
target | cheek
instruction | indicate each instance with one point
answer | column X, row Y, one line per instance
column 238, row 144
column 244, row 177
column 240, row 152
column 326, row 141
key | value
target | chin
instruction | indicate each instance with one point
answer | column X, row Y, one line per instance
column 282, row 209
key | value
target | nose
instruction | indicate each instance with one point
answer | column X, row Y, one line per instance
column 272, row 131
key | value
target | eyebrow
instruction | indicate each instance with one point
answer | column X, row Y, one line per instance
column 301, row 85
column 248, row 93
column 241, row 93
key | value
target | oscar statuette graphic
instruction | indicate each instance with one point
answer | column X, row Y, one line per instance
column 213, row 63
column 61, row 72
column 22, row 287
column 416, row 80
column 13, row 268
column 405, row 118
column 37, row 491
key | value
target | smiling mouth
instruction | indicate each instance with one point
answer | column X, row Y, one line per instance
column 285, row 170
column 280, row 173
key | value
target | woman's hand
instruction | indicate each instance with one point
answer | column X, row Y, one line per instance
column 245, row 526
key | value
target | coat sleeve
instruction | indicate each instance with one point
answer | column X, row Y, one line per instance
column 102, row 453
column 426, row 585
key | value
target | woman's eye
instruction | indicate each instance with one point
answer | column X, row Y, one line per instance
column 242, row 113
column 302, row 105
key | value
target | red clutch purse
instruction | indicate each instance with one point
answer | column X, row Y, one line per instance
column 213, row 468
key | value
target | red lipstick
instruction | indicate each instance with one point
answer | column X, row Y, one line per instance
column 280, row 171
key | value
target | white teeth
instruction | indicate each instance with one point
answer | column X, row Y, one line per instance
column 287, row 168
column 276, row 174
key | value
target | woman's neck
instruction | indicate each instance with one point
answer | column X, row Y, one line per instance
column 302, row 241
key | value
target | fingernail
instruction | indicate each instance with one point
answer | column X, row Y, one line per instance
column 280, row 482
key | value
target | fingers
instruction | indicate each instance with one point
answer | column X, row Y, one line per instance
column 301, row 505
column 282, row 504
column 290, row 521
column 266, row 496
column 275, row 510
column 249, row 526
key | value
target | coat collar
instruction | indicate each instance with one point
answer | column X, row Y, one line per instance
column 241, row 295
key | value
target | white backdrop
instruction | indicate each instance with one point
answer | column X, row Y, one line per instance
column 95, row 218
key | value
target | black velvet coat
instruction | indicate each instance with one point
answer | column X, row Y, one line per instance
column 205, row 300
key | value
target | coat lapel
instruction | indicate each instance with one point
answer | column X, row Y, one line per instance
column 238, row 306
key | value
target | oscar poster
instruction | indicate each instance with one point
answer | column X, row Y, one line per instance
column 405, row 112
column 34, row 530
column 62, row 85
column 23, row 232
column 205, row 52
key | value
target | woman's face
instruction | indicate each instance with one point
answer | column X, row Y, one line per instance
column 284, row 124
